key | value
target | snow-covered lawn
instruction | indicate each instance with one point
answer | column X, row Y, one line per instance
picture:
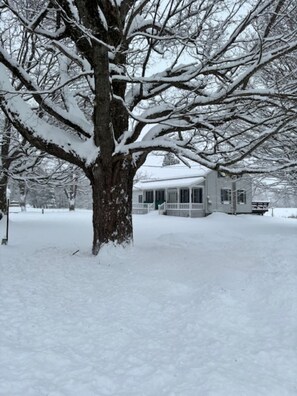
column 282, row 212
column 199, row 307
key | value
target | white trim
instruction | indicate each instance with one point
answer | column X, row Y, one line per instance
column 184, row 206
column 170, row 183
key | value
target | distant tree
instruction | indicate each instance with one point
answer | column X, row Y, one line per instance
column 57, row 184
column 170, row 159
column 280, row 191
column 18, row 159
column 29, row 169
column 108, row 82
column 75, row 184
column 23, row 195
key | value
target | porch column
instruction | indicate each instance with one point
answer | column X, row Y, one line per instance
column 190, row 200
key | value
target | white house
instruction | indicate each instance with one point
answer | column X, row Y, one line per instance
column 177, row 190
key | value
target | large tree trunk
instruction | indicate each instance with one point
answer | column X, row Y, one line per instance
column 112, row 205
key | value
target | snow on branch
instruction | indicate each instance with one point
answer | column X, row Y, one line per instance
column 59, row 141
column 70, row 119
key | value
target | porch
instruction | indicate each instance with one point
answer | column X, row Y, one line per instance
column 182, row 209
column 260, row 207
column 175, row 197
column 142, row 208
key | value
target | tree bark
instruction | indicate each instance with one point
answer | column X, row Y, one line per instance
column 3, row 193
column 71, row 205
column 5, row 163
column 112, row 205
column 71, row 197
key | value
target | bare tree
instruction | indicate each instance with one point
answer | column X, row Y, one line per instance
column 110, row 81
column 19, row 160
column 170, row 159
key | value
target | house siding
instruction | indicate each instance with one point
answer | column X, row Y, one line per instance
column 243, row 183
column 212, row 185
column 135, row 195
column 210, row 193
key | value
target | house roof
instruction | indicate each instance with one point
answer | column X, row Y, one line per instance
column 156, row 176
column 153, row 169
column 169, row 183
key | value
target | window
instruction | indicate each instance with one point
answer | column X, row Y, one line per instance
column 149, row 196
column 197, row 195
column 139, row 198
column 184, row 195
column 226, row 196
column 241, row 196
column 160, row 196
column 172, row 196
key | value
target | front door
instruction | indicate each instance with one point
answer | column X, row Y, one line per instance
column 160, row 198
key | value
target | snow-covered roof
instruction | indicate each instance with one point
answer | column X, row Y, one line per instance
column 155, row 176
column 169, row 183
column 153, row 169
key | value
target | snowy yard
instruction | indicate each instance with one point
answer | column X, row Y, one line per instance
column 199, row 307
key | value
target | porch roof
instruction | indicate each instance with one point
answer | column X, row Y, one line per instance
column 169, row 183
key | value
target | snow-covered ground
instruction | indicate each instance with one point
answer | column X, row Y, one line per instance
column 198, row 307
column 282, row 212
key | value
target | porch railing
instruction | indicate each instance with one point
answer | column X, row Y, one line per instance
column 162, row 208
column 143, row 207
column 150, row 207
column 184, row 206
